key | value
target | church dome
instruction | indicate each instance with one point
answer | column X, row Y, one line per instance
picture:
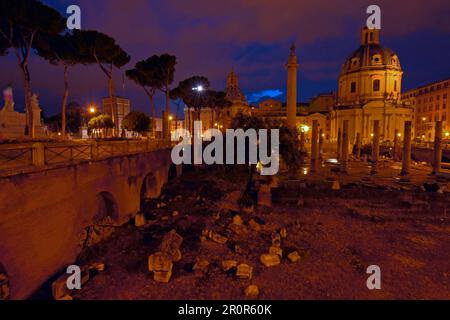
column 371, row 73
column 371, row 54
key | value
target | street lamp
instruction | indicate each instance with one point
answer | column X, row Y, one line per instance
column 305, row 128
column 92, row 109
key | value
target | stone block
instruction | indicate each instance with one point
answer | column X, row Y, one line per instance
column 202, row 265
column 139, row 220
column 270, row 260
column 244, row 271
column 159, row 262
column 252, row 292
column 276, row 239
column 171, row 244
column 276, row 250
column 227, row 265
column 237, row 220
column 294, row 257
column 218, row 238
column 254, row 225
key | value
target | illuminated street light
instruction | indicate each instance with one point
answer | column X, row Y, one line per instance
column 305, row 128
column 447, row 134
column 92, row 109
column 198, row 88
column 424, row 119
column 170, row 118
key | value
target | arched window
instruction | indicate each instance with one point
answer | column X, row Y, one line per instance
column 376, row 85
column 395, row 85
column 353, row 87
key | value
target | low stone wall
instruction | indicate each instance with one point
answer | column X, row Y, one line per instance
column 42, row 214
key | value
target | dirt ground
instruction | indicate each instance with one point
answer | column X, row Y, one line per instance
column 338, row 234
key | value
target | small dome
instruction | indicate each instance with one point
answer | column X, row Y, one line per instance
column 371, row 54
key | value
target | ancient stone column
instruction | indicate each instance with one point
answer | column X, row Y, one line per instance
column 344, row 151
column 321, row 144
column 375, row 146
column 292, row 67
column 358, row 145
column 339, row 143
column 437, row 157
column 396, row 143
column 315, row 147
column 406, row 163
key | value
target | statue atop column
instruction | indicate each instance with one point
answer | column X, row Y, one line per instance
column 8, row 99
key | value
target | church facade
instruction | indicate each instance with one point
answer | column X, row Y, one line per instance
column 370, row 86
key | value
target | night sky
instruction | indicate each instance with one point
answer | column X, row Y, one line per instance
column 210, row 37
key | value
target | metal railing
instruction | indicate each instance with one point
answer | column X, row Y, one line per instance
column 20, row 156
column 16, row 156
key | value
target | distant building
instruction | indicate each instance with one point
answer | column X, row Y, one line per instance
column 123, row 108
column 220, row 119
column 431, row 103
column 174, row 125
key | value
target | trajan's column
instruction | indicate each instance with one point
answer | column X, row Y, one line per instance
column 292, row 67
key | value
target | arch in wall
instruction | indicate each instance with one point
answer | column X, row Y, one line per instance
column 103, row 223
column 4, row 284
column 149, row 188
column 106, row 207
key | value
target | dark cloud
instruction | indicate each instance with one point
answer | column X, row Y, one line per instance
column 210, row 37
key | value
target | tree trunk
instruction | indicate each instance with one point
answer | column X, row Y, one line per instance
column 166, row 118
column 64, row 102
column 29, row 128
column 113, row 98
column 153, row 110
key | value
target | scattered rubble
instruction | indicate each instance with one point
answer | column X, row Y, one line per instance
column 202, row 265
column 294, row 257
column 139, row 220
column 171, row 244
column 161, row 266
column 227, row 265
column 244, row 271
column 276, row 239
column 254, row 225
column 218, row 238
column 252, row 291
column 276, row 251
column 336, row 186
column 60, row 291
column 237, row 220
column 4, row 286
column 270, row 260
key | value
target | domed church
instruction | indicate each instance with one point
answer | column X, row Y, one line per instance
column 370, row 89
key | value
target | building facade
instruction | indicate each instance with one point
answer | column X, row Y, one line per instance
column 370, row 89
column 430, row 103
column 123, row 108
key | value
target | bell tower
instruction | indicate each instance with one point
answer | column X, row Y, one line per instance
column 370, row 36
